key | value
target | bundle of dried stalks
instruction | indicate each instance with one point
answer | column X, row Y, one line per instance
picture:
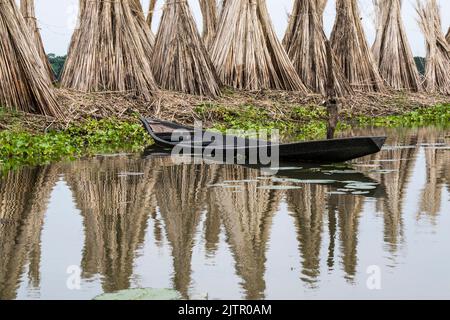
column 180, row 60
column 305, row 43
column 151, row 12
column 247, row 52
column 210, row 20
column 110, row 50
column 27, row 10
column 137, row 7
column 350, row 46
column 391, row 50
column 448, row 36
column 321, row 5
column 437, row 73
column 24, row 81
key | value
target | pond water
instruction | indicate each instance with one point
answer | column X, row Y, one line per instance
column 378, row 228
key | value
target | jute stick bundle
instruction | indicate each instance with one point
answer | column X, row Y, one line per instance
column 305, row 44
column 247, row 53
column 210, row 20
column 180, row 60
column 352, row 51
column 28, row 12
column 437, row 69
column 392, row 51
column 102, row 58
column 151, row 12
column 24, row 81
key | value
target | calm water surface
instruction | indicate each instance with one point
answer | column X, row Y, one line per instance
column 230, row 232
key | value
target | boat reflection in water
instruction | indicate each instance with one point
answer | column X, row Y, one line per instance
column 215, row 228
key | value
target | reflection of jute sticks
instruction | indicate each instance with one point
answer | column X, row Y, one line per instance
column 308, row 206
column 114, row 196
column 246, row 213
column 181, row 196
column 24, row 197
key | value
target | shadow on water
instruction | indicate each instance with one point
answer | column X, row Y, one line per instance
column 119, row 197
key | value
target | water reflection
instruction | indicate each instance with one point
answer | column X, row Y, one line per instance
column 212, row 209
column 24, row 197
column 114, row 198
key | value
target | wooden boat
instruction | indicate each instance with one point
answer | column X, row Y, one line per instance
column 170, row 135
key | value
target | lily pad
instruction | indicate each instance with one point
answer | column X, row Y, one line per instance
column 318, row 181
column 224, row 185
column 341, row 171
column 361, row 186
column 141, row 294
column 279, row 188
column 240, row 181
column 383, row 171
column 337, row 192
column 285, row 168
column 357, row 193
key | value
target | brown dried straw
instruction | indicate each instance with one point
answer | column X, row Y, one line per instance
column 210, row 20
column 110, row 51
column 151, row 12
column 305, row 44
column 437, row 73
column 447, row 37
column 137, row 7
column 248, row 54
column 28, row 12
column 350, row 46
column 391, row 50
column 180, row 60
column 24, row 81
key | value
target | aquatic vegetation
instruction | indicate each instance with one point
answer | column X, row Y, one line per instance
column 18, row 147
column 437, row 115
column 141, row 294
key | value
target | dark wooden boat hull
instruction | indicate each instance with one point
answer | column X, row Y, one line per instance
column 328, row 151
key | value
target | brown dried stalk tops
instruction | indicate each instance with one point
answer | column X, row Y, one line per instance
column 247, row 53
column 24, row 81
column 350, row 46
column 437, row 70
column 305, row 43
column 391, row 50
column 180, row 60
column 102, row 58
